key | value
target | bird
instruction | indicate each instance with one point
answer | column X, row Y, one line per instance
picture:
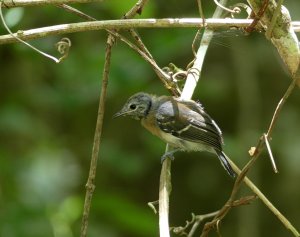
column 182, row 124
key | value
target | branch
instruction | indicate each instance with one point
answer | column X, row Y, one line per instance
column 188, row 90
column 165, row 187
column 266, row 201
column 119, row 24
column 127, row 24
column 27, row 3
column 195, row 70
column 242, row 173
column 90, row 186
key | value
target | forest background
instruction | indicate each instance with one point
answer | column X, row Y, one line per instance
column 48, row 113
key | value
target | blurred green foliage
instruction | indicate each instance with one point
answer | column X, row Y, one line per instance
column 48, row 113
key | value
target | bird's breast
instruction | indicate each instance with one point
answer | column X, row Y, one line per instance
column 151, row 125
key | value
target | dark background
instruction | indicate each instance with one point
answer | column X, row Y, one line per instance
column 48, row 113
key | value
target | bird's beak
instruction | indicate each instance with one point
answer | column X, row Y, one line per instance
column 122, row 112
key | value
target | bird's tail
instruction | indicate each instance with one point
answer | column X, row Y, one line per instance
column 225, row 163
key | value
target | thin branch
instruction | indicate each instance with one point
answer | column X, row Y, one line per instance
column 195, row 70
column 165, row 188
column 92, row 174
column 265, row 200
column 27, row 3
column 267, row 136
column 127, row 24
column 165, row 177
column 90, row 186
column 199, row 3
column 122, row 24
column 136, row 9
column 133, row 33
column 194, row 222
column 229, row 204
column 23, row 42
column 76, row 12
column 282, row 102
column 242, row 174
column 219, row 4
column 160, row 73
column 199, row 220
column 273, row 163
column 257, row 16
column 141, row 49
column 140, row 43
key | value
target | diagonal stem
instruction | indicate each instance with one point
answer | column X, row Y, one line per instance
column 90, row 186
column 188, row 90
column 242, row 173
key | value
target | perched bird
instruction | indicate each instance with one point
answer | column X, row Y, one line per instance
column 183, row 124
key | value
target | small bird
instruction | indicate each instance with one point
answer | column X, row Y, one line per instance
column 183, row 124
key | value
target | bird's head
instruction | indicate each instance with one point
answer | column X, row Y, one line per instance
column 137, row 106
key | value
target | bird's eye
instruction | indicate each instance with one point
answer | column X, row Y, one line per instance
column 132, row 106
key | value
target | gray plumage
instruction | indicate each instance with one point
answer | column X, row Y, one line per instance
column 182, row 124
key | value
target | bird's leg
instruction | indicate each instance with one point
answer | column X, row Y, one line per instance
column 169, row 154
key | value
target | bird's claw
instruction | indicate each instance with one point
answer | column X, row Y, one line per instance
column 169, row 154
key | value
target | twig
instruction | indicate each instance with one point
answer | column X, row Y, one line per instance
column 199, row 220
column 282, row 102
column 199, row 3
column 26, row 3
column 195, row 222
column 121, row 24
column 136, row 9
column 229, row 204
column 152, row 206
column 90, row 186
column 195, row 70
column 165, row 177
column 133, row 33
column 241, row 174
column 140, row 43
column 273, row 163
column 76, row 12
column 165, row 188
column 219, row 4
column 257, row 16
column 267, row 136
column 127, row 24
column 142, row 49
column 166, row 80
column 16, row 37
column 265, row 200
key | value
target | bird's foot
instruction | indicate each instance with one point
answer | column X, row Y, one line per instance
column 169, row 154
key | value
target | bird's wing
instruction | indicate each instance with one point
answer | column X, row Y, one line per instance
column 188, row 122
column 198, row 108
